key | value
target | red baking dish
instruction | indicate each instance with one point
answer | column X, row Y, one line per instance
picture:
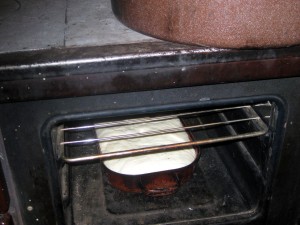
column 155, row 183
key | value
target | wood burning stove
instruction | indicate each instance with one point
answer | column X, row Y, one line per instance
column 248, row 172
column 236, row 182
column 231, row 181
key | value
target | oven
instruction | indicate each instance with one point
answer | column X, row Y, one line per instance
column 239, row 153
column 239, row 109
column 247, row 172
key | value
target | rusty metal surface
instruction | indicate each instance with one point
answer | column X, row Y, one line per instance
column 151, row 79
column 224, row 24
column 90, row 60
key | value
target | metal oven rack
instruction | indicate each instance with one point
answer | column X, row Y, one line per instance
column 257, row 124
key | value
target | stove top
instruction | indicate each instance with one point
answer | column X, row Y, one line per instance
column 32, row 25
column 52, row 50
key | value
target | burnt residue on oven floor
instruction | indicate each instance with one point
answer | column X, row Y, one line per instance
column 91, row 200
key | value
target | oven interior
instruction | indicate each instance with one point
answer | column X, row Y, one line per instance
column 231, row 180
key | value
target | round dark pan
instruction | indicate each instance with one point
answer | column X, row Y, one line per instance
column 153, row 184
column 222, row 23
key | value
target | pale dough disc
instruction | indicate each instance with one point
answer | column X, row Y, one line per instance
column 149, row 163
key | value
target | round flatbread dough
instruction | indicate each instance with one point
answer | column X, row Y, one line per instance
column 149, row 163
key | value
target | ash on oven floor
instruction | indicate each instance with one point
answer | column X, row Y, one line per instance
column 209, row 193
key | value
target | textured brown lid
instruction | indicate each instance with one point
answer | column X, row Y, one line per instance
column 218, row 23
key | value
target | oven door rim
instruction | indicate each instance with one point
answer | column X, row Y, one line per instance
column 52, row 166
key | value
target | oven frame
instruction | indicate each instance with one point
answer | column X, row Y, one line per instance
column 150, row 68
column 53, row 164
